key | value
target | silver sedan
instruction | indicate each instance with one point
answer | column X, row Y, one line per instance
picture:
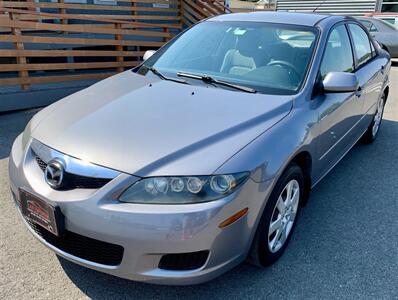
column 202, row 156
column 384, row 33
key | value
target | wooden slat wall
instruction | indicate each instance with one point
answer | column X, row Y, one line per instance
column 46, row 42
column 195, row 10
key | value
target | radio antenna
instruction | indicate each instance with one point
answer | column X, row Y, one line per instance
column 319, row 6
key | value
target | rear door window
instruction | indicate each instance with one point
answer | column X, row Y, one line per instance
column 362, row 44
column 372, row 28
column 369, row 25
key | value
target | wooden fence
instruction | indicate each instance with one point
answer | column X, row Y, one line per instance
column 47, row 42
column 194, row 11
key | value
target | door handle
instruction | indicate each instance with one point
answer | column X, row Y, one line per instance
column 358, row 92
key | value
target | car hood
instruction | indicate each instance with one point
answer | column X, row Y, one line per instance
column 150, row 127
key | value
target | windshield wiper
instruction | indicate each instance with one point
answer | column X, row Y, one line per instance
column 209, row 79
column 164, row 77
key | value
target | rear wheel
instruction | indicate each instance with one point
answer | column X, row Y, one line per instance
column 373, row 129
column 279, row 218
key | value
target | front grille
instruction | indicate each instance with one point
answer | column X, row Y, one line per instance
column 81, row 246
column 73, row 181
column 78, row 245
column 42, row 164
column 183, row 261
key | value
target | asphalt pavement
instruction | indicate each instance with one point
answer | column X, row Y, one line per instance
column 345, row 245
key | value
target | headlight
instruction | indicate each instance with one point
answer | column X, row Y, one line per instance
column 182, row 189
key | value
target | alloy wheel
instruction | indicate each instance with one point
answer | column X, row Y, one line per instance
column 283, row 216
column 378, row 117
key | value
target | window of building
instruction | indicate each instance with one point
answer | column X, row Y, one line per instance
column 389, row 6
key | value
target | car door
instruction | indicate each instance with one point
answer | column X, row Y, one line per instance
column 369, row 71
column 339, row 113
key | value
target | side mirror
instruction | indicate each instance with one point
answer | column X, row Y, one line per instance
column 148, row 54
column 340, row 82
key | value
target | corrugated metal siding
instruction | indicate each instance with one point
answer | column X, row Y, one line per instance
column 341, row 7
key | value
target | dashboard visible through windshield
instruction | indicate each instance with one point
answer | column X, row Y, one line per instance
column 268, row 58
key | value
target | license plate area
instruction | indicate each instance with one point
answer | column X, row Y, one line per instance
column 41, row 212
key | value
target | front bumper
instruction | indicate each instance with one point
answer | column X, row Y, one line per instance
column 147, row 232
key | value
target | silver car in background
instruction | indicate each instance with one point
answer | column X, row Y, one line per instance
column 202, row 156
column 384, row 33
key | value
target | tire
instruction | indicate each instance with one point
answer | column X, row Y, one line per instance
column 263, row 251
column 373, row 130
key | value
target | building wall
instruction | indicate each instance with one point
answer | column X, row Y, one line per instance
column 66, row 45
column 342, row 7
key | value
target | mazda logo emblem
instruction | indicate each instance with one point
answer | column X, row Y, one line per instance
column 54, row 173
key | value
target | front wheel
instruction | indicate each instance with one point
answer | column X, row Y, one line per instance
column 279, row 218
column 373, row 129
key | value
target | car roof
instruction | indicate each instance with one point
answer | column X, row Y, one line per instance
column 307, row 19
column 366, row 18
column 369, row 19
column 375, row 19
column 382, row 14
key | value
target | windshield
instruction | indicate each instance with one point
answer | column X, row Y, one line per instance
column 270, row 58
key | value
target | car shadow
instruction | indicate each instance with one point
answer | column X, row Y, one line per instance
column 11, row 125
column 340, row 233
